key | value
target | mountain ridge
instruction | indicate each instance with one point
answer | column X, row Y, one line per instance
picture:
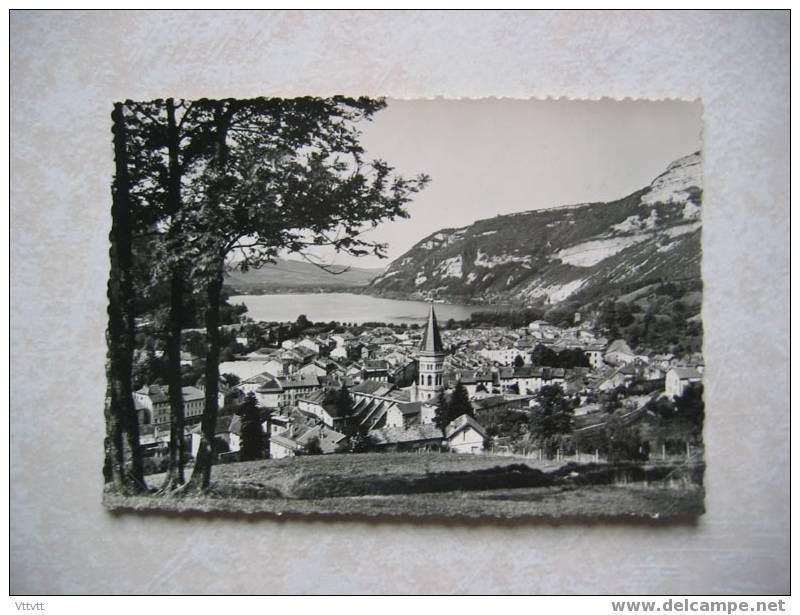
column 294, row 275
column 559, row 253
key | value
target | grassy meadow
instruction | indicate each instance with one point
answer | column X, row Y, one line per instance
column 431, row 485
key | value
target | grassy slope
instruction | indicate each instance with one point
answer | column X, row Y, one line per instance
column 379, row 484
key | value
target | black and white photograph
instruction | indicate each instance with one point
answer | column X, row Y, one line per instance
column 363, row 303
column 386, row 307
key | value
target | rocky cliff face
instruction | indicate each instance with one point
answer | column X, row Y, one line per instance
column 549, row 255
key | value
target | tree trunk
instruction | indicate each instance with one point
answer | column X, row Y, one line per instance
column 201, row 476
column 122, row 426
column 177, row 446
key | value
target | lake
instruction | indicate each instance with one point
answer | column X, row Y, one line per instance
column 348, row 307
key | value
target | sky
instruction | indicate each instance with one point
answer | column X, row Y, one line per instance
column 498, row 156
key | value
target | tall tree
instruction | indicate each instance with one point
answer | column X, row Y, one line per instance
column 283, row 176
column 169, row 146
column 441, row 416
column 459, row 402
column 552, row 417
column 175, row 274
column 252, row 433
column 344, row 401
column 126, row 470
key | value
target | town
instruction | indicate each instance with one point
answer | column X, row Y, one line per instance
column 541, row 391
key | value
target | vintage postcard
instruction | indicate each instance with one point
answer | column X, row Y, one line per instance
column 443, row 308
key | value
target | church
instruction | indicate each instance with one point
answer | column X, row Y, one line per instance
column 430, row 359
column 379, row 404
column 402, row 419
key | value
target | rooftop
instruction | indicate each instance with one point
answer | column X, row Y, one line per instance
column 431, row 340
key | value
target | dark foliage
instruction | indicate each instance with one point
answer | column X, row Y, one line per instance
column 551, row 418
column 441, row 417
column 252, row 433
column 568, row 358
column 459, row 402
column 511, row 318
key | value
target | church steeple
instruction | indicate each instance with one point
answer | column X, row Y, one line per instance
column 431, row 339
column 430, row 358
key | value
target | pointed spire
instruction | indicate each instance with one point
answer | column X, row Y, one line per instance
column 431, row 340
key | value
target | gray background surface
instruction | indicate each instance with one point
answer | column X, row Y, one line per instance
column 66, row 68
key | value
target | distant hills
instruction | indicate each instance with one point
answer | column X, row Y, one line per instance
column 579, row 252
column 291, row 275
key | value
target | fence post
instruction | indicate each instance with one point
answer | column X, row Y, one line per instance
column 596, row 455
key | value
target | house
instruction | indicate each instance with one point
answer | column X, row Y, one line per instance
column 468, row 380
column 505, row 356
column 553, row 376
column 277, row 423
column 465, row 435
column 376, row 370
column 340, row 352
column 345, row 340
column 614, row 380
column 496, row 402
column 327, row 413
column 252, row 384
column 227, row 436
column 528, row 378
column 371, row 388
column 678, row 378
column 243, row 369
column 187, row 358
column 474, row 381
column 315, row 403
column 505, row 375
column 154, row 441
column 619, row 353
column 269, row 394
column 417, row 437
column 276, row 367
column 541, row 330
column 301, row 355
column 594, row 353
column 328, row 440
column 664, row 361
column 225, row 393
column 319, row 366
column 153, row 406
column 284, row 390
column 403, row 415
column 301, row 439
column 427, row 413
column 695, row 360
column 281, row 446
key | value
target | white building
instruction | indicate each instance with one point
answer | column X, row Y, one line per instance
column 153, row 407
column 465, row 435
column 678, row 378
column 619, row 353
